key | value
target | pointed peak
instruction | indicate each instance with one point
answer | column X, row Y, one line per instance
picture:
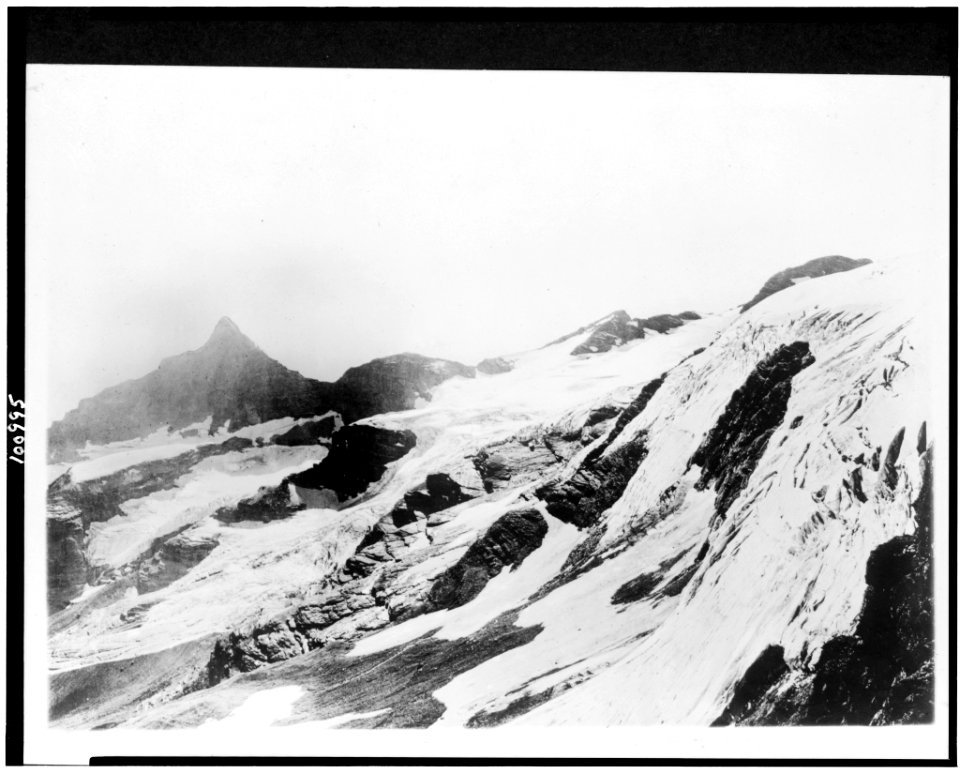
column 226, row 324
column 227, row 330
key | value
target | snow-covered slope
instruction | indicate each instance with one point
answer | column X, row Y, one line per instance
column 572, row 541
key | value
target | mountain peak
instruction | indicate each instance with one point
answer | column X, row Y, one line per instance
column 226, row 330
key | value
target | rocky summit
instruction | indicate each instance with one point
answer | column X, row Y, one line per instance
column 682, row 519
column 230, row 382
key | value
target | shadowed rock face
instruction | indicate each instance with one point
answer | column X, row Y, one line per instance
column 818, row 267
column 228, row 378
column 600, row 481
column 358, row 457
column 580, row 499
column 615, row 330
column 766, row 671
column 392, row 384
column 510, row 540
column 66, row 563
column 631, row 412
column 732, row 449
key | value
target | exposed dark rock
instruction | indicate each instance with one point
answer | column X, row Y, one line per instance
column 176, row 557
column 661, row 323
column 922, row 438
column 494, row 365
column 612, row 331
column 358, row 457
column 601, row 414
column 730, row 452
column 637, row 589
column 228, row 378
column 308, row 433
column 392, row 384
column 818, row 267
column 395, row 530
column 890, row 475
column 759, row 678
column 631, row 412
column 679, row 582
column 509, row 541
column 797, row 421
column 270, row 503
column 618, row 328
column 856, row 482
column 597, row 484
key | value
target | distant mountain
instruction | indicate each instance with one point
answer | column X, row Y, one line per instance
column 231, row 379
column 818, row 267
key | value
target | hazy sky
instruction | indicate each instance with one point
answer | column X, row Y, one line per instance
column 339, row 216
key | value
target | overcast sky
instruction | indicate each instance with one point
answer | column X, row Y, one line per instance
column 339, row 216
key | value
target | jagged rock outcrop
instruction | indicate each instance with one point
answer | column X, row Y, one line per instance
column 618, row 328
column 494, row 365
column 358, row 457
column 731, row 450
column 175, row 558
column 818, row 267
column 309, row 433
column 600, row 481
column 625, row 417
column 406, row 522
column 268, row 504
column 228, row 378
column 597, row 484
column 661, row 323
